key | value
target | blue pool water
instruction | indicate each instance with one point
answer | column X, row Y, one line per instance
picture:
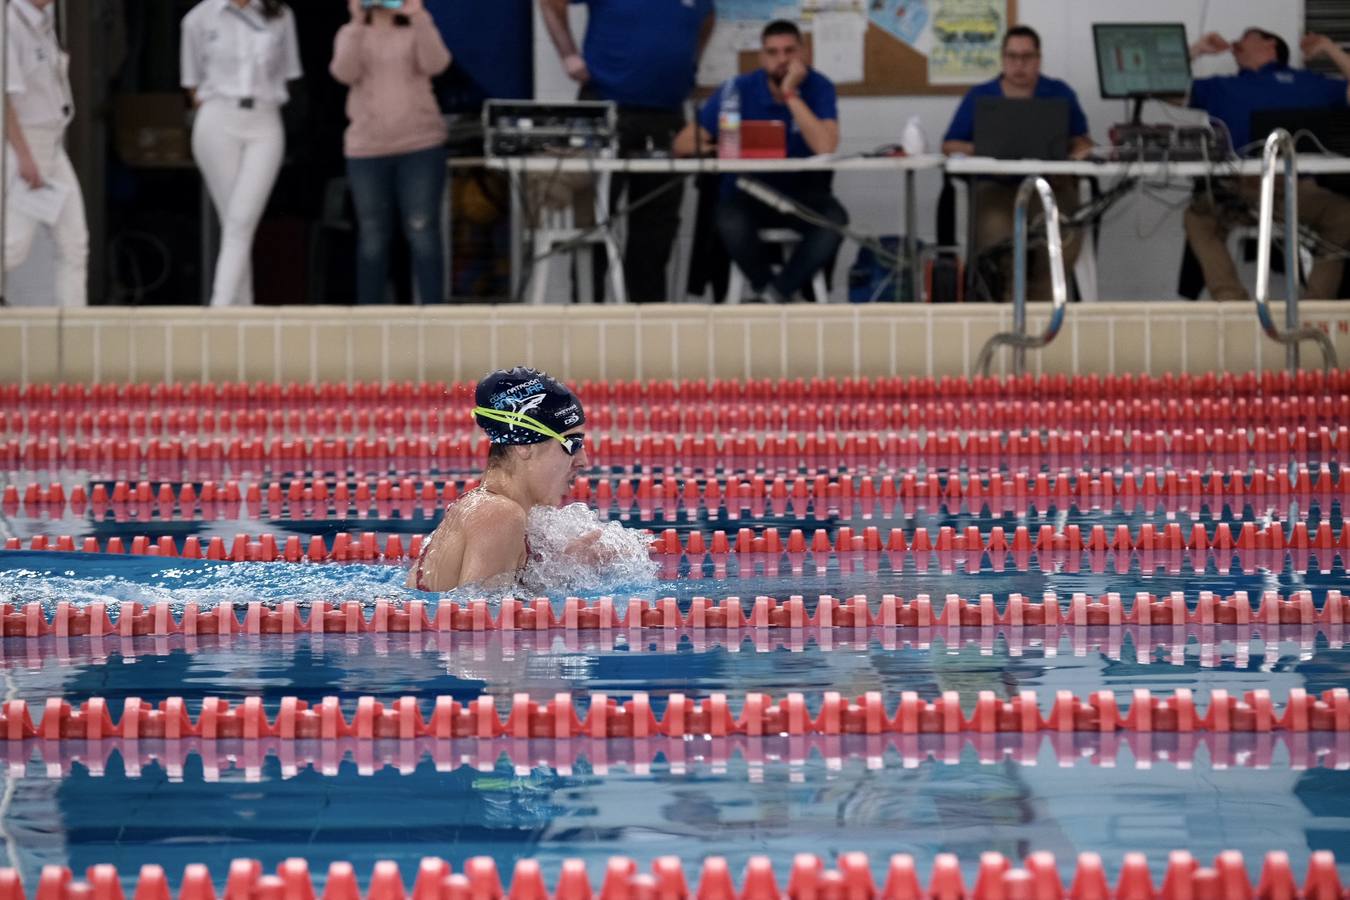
column 174, row 803
column 512, row 799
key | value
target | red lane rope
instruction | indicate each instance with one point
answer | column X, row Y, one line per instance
column 1144, row 750
column 894, row 388
column 808, row 414
column 559, row 718
column 1107, row 640
column 1221, row 448
column 416, row 616
column 1037, row 878
column 1266, row 547
column 1083, row 490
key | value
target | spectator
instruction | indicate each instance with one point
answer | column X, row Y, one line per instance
column 1265, row 81
column 237, row 56
column 396, row 143
column 784, row 88
column 642, row 55
column 1021, row 78
column 37, row 110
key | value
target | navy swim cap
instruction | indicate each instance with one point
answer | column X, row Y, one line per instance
column 535, row 397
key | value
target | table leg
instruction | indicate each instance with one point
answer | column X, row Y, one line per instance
column 972, row 211
column 911, row 241
column 447, row 239
column 618, row 286
column 517, row 231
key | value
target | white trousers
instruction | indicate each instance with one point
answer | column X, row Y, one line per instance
column 239, row 152
column 69, row 232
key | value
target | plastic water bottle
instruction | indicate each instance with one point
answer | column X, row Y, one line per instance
column 729, row 122
column 912, row 140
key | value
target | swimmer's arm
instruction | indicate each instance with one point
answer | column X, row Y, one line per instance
column 494, row 543
column 588, row 550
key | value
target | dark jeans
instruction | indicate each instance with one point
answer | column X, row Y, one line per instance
column 740, row 218
column 413, row 184
column 651, row 228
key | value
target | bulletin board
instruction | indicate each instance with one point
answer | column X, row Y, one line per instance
column 871, row 48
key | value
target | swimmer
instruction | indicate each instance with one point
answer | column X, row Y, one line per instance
column 534, row 423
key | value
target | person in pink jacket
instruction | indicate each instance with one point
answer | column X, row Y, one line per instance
column 396, row 142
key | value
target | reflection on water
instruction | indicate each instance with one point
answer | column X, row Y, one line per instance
column 76, row 804
column 736, row 808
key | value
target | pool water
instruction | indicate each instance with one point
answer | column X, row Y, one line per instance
column 193, row 801
column 129, row 802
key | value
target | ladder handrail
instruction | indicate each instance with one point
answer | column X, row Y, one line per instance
column 1018, row 338
column 1280, row 144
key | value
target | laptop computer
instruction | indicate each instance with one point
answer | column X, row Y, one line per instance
column 1022, row 129
column 763, row 139
column 1313, row 128
column 1330, row 127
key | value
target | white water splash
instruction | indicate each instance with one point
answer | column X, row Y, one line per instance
column 113, row 583
column 573, row 551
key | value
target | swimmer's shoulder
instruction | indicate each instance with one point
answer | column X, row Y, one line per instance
column 494, row 517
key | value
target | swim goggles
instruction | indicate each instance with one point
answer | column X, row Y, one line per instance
column 572, row 443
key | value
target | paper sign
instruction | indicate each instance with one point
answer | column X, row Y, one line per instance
column 43, row 204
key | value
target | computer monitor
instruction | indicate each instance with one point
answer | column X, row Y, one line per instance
column 1139, row 60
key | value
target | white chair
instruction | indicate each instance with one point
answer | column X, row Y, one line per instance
column 785, row 237
column 557, row 227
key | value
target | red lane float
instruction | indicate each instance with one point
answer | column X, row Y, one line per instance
column 294, row 395
column 970, row 543
column 1037, row 878
column 971, row 552
column 560, row 717
column 1221, row 448
column 1229, row 645
column 1141, row 749
column 319, row 498
column 574, row 614
column 808, row 415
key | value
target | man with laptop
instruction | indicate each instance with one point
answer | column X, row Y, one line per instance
column 1264, row 86
column 1022, row 114
column 787, row 90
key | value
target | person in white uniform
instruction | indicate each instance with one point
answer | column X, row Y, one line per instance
column 237, row 57
column 41, row 188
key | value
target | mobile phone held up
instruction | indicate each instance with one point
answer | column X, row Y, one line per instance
column 382, row 4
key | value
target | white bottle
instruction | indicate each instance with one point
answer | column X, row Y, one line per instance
column 729, row 122
column 912, row 139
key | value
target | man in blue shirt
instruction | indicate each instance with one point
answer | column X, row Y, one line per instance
column 642, row 55
column 994, row 199
column 786, row 89
column 1265, row 82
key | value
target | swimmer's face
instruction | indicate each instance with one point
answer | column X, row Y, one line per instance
column 552, row 471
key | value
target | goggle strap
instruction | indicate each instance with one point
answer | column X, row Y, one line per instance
column 507, row 417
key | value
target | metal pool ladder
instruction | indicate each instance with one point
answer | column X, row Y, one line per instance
column 1018, row 338
column 1278, row 144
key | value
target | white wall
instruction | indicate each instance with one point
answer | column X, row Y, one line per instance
column 1142, row 239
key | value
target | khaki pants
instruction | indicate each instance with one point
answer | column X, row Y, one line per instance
column 1207, row 228
column 994, row 202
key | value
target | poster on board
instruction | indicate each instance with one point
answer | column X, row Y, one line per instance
column 871, row 47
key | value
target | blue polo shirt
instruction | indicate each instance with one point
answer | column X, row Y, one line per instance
column 1233, row 98
column 758, row 104
column 963, row 123
column 643, row 52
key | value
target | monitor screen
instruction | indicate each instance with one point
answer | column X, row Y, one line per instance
column 1142, row 60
